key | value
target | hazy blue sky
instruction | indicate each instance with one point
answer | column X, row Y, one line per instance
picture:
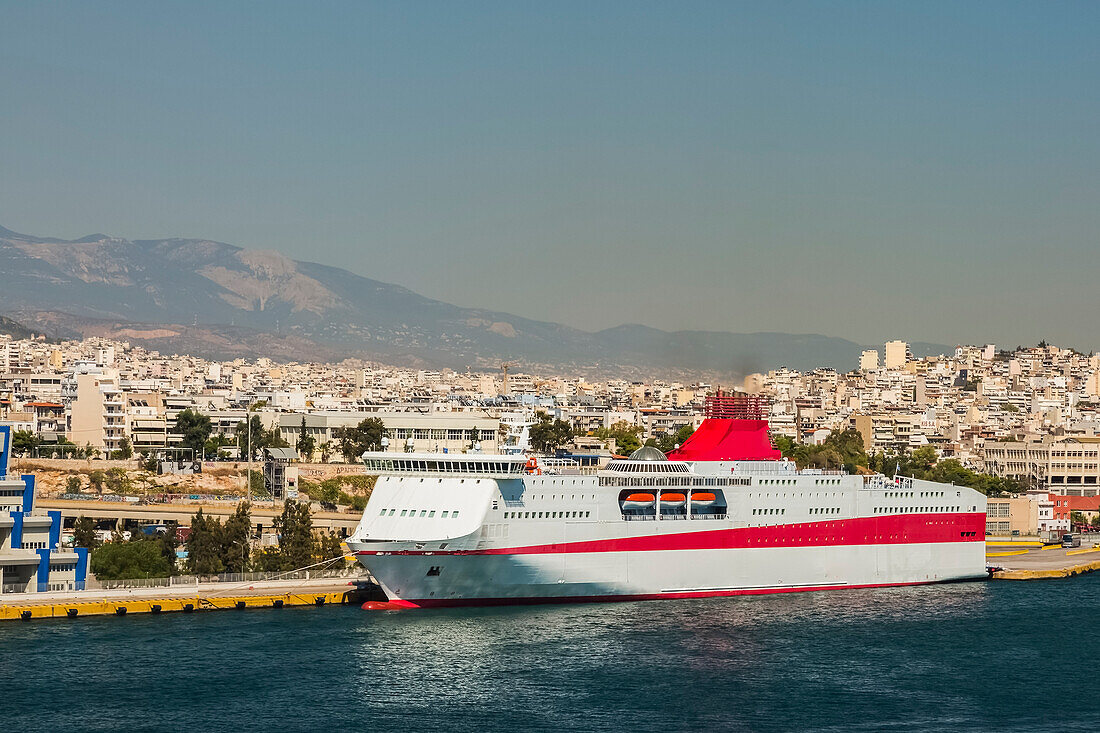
column 929, row 171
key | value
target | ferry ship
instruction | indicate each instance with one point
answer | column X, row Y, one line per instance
column 722, row 515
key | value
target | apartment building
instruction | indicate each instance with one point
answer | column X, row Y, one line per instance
column 1068, row 465
column 97, row 409
column 408, row 431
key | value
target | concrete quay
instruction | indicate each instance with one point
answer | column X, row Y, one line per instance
column 184, row 598
column 1032, row 561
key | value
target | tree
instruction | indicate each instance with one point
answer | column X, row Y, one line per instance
column 666, row 442
column 626, row 436
column 73, row 484
column 125, row 450
column 169, row 542
column 326, row 450
column 306, row 443
column 195, row 428
column 547, row 435
column 326, row 547
column 921, row 460
column 841, row 450
column 96, row 479
column 295, row 529
column 84, row 533
column 1078, row 519
column 252, row 435
column 204, row 545
column 118, row 481
column 236, row 539
column 24, row 441
column 124, row 560
column 365, row 436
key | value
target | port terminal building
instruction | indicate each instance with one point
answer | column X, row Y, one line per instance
column 31, row 557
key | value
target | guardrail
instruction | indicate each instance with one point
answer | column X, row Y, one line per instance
column 176, row 580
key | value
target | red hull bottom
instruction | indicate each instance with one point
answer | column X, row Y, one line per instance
column 402, row 604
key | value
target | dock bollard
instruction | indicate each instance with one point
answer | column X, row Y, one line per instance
column 71, row 613
column 277, row 603
column 120, row 611
column 240, row 606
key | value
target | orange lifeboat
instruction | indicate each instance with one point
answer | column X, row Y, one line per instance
column 672, row 498
column 703, row 498
column 638, row 501
column 532, row 466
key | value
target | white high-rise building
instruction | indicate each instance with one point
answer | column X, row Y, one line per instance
column 897, row 353
column 868, row 360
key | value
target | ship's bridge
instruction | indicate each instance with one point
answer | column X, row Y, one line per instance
column 481, row 465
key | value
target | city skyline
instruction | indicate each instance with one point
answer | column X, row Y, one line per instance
column 850, row 170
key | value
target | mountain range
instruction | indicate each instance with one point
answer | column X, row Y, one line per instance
column 221, row 301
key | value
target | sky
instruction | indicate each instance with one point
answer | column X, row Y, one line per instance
column 873, row 170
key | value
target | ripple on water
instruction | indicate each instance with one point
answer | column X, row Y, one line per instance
column 956, row 657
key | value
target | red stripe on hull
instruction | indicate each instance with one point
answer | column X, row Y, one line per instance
column 459, row 602
column 890, row 529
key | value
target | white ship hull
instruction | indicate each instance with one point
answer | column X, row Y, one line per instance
column 577, row 577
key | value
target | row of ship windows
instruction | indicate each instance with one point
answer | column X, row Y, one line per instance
column 427, row 513
column 547, row 515
column 773, row 510
column 34, row 545
column 908, row 509
column 676, row 481
column 825, row 510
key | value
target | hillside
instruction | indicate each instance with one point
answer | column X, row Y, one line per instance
column 215, row 299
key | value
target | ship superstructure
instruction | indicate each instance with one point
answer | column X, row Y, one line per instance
column 721, row 515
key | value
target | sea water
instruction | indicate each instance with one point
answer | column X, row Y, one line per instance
column 976, row 656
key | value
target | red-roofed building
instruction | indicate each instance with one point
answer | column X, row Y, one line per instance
column 1064, row 506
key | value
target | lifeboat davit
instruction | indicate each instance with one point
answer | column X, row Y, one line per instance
column 703, row 498
column 638, row 501
column 672, row 498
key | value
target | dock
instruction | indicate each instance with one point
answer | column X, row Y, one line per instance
column 1035, row 561
column 183, row 599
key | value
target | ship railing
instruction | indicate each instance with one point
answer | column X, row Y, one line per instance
column 667, row 517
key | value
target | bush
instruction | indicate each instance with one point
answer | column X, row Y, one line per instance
column 73, row 484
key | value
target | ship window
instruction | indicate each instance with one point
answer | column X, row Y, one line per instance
column 587, row 513
column 382, row 513
column 444, row 515
column 431, row 514
column 404, row 512
column 392, row 511
column 454, row 514
column 423, row 512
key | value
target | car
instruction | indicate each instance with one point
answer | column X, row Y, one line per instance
column 1071, row 540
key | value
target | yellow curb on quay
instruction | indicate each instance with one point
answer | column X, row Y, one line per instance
column 1006, row 554
column 1054, row 573
column 76, row 609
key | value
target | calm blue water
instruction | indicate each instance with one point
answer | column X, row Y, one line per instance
column 979, row 656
